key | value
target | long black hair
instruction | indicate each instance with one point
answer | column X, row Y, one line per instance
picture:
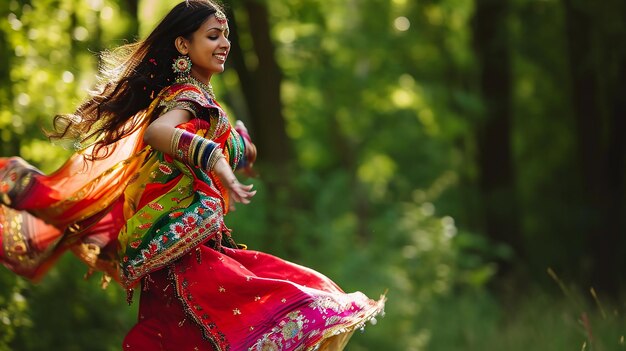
column 129, row 79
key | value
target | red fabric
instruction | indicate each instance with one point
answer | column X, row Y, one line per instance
column 154, row 190
column 162, row 322
column 63, row 210
column 237, row 297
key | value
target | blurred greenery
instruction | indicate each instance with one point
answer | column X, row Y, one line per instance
column 395, row 179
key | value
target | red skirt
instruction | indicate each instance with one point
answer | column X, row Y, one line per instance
column 244, row 300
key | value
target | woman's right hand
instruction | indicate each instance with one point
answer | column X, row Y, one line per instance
column 237, row 191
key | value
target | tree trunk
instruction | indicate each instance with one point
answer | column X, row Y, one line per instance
column 497, row 181
column 261, row 88
column 617, row 164
column 600, row 147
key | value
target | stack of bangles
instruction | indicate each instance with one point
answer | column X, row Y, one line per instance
column 195, row 150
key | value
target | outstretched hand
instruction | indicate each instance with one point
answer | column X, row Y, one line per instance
column 239, row 193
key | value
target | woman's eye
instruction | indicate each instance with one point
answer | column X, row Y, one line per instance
column 213, row 37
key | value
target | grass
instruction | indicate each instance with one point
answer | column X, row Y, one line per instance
column 534, row 321
column 64, row 307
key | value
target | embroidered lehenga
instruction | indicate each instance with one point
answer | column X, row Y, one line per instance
column 156, row 224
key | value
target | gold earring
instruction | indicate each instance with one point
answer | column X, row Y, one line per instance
column 182, row 65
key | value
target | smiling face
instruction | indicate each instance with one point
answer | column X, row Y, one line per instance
column 207, row 48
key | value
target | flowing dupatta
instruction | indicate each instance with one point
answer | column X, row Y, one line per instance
column 79, row 207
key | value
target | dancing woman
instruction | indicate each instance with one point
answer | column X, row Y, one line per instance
column 144, row 198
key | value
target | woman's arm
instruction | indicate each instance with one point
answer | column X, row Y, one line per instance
column 159, row 136
column 160, row 132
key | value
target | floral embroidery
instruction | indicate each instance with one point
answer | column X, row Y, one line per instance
column 177, row 229
column 324, row 303
column 324, row 317
column 208, row 204
column 266, row 344
column 176, row 214
column 293, row 328
column 145, row 215
column 156, row 206
column 190, row 220
column 186, row 230
column 287, row 333
column 165, row 169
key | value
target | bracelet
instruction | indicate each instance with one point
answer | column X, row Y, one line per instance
column 194, row 150
column 215, row 156
column 174, row 142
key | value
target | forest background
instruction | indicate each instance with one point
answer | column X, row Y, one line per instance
column 462, row 155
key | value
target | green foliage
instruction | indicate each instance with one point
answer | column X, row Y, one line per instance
column 51, row 46
column 539, row 320
column 68, row 312
column 381, row 104
column 64, row 311
column 50, row 63
column 13, row 309
column 377, row 132
column 405, row 250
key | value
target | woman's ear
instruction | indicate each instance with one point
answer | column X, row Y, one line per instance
column 181, row 45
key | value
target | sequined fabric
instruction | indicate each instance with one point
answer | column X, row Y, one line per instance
column 244, row 300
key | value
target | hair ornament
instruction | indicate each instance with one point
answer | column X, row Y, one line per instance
column 220, row 17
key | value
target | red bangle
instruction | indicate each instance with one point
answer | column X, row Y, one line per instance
column 243, row 133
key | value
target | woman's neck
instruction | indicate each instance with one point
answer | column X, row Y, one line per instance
column 190, row 79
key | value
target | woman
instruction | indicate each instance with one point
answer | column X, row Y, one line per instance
column 145, row 203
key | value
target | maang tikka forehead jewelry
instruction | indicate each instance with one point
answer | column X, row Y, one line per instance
column 220, row 17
